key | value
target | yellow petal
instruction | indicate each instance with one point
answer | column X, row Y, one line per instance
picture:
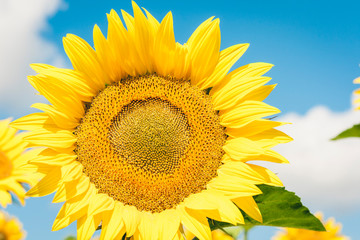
column 153, row 22
column 245, row 113
column 84, row 59
column 200, row 30
column 148, row 227
column 228, row 58
column 86, row 226
column 13, row 145
column 143, row 38
column 33, row 121
column 243, row 149
column 129, row 21
column 73, row 209
column 236, row 90
column 204, row 48
column 270, row 138
column 227, row 212
column 53, row 158
column 199, row 201
column 215, row 206
column 137, row 64
column 260, row 93
column 61, row 139
column 72, row 171
column 107, row 56
column 253, row 128
column 247, row 71
column 241, row 170
column 271, row 156
column 232, row 187
column 38, row 67
column 194, row 222
column 4, row 123
column 18, row 189
column 240, row 148
column 269, row 177
column 249, row 206
column 47, row 185
column 5, row 198
column 169, row 222
column 356, row 101
column 164, row 47
column 72, row 80
column 7, row 133
column 99, row 203
column 226, row 158
column 62, row 120
column 20, row 163
column 356, row 80
column 183, row 62
column 121, row 47
column 71, row 189
column 114, row 225
column 59, row 95
column 131, row 218
column 178, row 236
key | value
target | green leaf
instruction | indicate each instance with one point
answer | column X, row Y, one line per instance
column 233, row 231
column 354, row 131
column 279, row 208
column 282, row 208
column 70, row 238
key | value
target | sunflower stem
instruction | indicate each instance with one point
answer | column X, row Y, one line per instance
column 246, row 231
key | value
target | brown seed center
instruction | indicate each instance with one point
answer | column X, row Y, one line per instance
column 3, row 236
column 150, row 134
column 150, row 141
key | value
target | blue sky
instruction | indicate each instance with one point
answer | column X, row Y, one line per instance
column 314, row 45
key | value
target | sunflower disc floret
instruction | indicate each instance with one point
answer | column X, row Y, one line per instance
column 146, row 136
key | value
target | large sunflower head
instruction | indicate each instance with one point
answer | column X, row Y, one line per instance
column 10, row 228
column 333, row 230
column 14, row 170
column 147, row 136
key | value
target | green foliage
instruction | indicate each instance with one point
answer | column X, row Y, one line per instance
column 354, row 131
column 233, row 231
column 70, row 238
column 282, row 208
column 279, row 208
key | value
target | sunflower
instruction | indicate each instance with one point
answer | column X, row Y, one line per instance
column 147, row 136
column 10, row 228
column 14, row 169
column 332, row 232
column 357, row 93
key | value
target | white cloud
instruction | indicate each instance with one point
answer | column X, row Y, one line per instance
column 21, row 22
column 324, row 173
